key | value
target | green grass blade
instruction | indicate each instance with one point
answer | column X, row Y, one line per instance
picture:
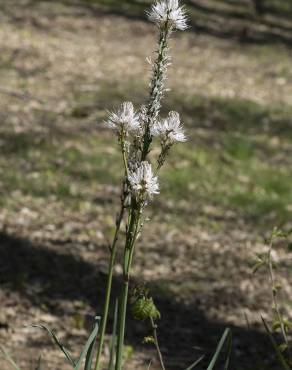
column 39, row 365
column 219, row 349
column 111, row 365
column 149, row 365
column 88, row 348
column 58, row 343
column 229, row 350
column 9, row 358
column 281, row 358
column 195, row 363
column 89, row 355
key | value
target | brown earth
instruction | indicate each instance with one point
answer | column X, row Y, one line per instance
column 53, row 258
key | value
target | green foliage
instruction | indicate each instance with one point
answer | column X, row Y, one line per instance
column 195, row 363
column 87, row 351
column 9, row 358
column 149, row 340
column 226, row 338
column 113, row 342
column 280, row 323
column 282, row 361
column 144, row 308
column 239, row 167
column 58, row 344
column 55, row 168
column 39, row 364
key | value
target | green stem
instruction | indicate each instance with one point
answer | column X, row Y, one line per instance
column 275, row 300
column 124, row 153
column 122, row 324
column 132, row 233
column 109, row 287
column 154, row 330
column 112, row 259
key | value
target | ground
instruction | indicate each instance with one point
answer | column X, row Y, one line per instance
column 63, row 64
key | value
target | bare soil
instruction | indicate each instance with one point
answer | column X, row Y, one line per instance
column 53, row 256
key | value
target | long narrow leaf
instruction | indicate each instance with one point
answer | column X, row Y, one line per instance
column 39, row 365
column 88, row 344
column 229, row 350
column 89, row 355
column 149, row 365
column 278, row 352
column 113, row 339
column 9, row 358
column 219, row 349
column 58, row 343
column 195, row 363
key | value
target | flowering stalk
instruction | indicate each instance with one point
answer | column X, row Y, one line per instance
column 168, row 15
column 123, row 120
column 128, row 257
column 143, row 186
column 135, row 135
column 113, row 252
column 157, row 88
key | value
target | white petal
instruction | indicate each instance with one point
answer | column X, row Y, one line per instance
column 143, row 182
column 171, row 11
column 125, row 117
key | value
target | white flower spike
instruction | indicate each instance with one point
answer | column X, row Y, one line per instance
column 124, row 118
column 142, row 181
column 169, row 11
column 170, row 129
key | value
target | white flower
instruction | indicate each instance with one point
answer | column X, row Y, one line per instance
column 142, row 181
column 170, row 129
column 169, row 11
column 124, row 118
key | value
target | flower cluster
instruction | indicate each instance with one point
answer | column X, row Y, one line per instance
column 169, row 12
column 136, row 130
column 170, row 129
column 125, row 118
column 143, row 182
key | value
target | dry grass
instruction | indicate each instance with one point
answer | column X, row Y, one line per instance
column 61, row 67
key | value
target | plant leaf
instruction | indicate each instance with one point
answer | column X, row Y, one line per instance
column 227, row 362
column 39, row 365
column 9, row 358
column 281, row 358
column 114, row 338
column 149, row 365
column 89, row 355
column 219, row 349
column 57, row 342
column 196, row 363
column 282, row 347
column 257, row 266
column 88, row 348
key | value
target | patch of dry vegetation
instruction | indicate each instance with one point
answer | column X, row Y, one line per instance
column 61, row 67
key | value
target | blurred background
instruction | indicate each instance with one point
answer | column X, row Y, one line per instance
column 63, row 64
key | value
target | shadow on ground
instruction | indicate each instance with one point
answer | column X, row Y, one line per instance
column 65, row 277
column 238, row 20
